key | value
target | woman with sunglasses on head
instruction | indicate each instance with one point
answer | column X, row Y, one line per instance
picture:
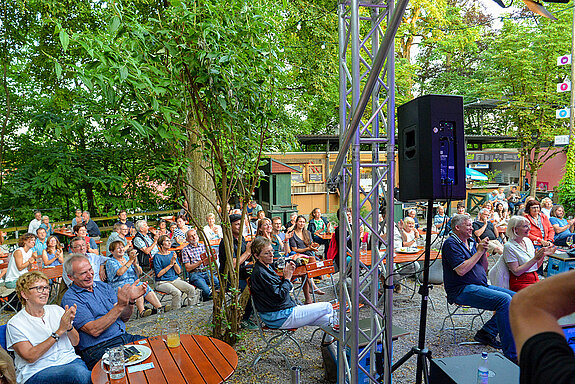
column 541, row 232
column 43, row 337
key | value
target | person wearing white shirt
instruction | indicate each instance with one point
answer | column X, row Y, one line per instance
column 35, row 223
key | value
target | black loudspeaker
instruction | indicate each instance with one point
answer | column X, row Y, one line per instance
column 463, row 370
column 431, row 148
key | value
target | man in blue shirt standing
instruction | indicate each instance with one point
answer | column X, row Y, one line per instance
column 101, row 313
column 465, row 279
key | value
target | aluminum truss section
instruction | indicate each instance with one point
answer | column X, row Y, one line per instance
column 367, row 119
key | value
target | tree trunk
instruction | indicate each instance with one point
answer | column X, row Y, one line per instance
column 197, row 176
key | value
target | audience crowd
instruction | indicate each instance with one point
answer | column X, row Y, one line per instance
column 189, row 265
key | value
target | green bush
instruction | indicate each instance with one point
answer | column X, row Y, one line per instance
column 566, row 194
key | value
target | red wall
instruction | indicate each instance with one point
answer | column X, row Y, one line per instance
column 552, row 170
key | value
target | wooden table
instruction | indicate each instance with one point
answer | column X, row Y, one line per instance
column 365, row 258
column 198, row 359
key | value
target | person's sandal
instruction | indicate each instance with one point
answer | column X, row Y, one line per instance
column 319, row 291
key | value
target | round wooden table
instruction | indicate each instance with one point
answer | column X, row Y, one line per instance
column 198, row 359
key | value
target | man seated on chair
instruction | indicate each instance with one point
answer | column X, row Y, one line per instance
column 195, row 265
column 101, row 313
column 465, row 278
column 271, row 293
column 484, row 229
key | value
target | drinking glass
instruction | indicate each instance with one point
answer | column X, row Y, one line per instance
column 173, row 334
column 569, row 241
column 116, row 366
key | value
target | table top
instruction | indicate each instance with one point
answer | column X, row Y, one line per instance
column 365, row 258
column 64, row 232
column 197, row 359
column 53, row 272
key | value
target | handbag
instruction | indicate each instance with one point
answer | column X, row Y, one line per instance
column 499, row 274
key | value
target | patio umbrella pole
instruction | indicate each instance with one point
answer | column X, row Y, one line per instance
column 421, row 351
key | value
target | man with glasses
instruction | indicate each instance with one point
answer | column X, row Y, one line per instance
column 78, row 246
column 91, row 226
column 194, row 260
column 101, row 313
column 123, row 219
column 120, row 233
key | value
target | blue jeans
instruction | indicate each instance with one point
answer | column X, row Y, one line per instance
column 93, row 354
column 201, row 280
column 495, row 299
column 74, row 372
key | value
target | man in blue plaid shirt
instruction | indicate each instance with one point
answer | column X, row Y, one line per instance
column 199, row 273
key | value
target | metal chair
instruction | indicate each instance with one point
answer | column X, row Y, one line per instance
column 274, row 341
column 7, row 296
column 464, row 311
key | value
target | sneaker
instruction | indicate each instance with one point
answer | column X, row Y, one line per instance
column 249, row 325
column 146, row 312
column 485, row 338
column 167, row 308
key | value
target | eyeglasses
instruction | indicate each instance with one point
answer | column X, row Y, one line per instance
column 40, row 288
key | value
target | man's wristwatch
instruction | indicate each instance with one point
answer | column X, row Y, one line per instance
column 55, row 336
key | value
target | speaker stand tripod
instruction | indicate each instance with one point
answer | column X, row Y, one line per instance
column 423, row 354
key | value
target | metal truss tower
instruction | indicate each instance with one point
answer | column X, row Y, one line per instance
column 367, row 120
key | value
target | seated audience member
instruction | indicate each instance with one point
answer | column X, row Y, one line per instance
column 163, row 228
column 563, row 227
column 46, row 225
column 546, row 206
column 409, row 234
column 265, row 229
column 492, row 197
column 123, row 219
column 21, row 259
column 544, row 355
column 318, row 225
column 440, row 220
column 54, row 252
column 120, row 233
column 254, row 208
column 167, row 271
column 43, row 337
column 91, row 226
column 4, row 248
column 212, row 230
column 181, row 230
column 290, row 225
column 277, row 228
column 541, row 232
column 413, row 214
column 41, row 243
column 35, row 223
column 254, row 223
column 101, row 313
column 98, row 263
column 173, row 227
column 513, row 199
column 184, row 211
column 465, row 279
column 520, row 255
column 501, row 198
column 242, row 250
column 272, row 296
column 520, row 209
column 81, row 231
column 194, row 260
column 302, row 244
column 78, row 219
column 301, row 241
column 500, row 216
column 145, row 243
column 484, row 229
column 122, row 270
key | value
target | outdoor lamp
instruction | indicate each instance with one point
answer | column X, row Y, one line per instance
column 535, row 7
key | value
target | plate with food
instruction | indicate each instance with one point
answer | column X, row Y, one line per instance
column 407, row 250
column 133, row 354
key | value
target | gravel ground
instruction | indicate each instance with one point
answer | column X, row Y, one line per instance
column 272, row 368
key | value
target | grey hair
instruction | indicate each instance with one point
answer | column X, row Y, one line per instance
column 69, row 260
column 139, row 224
column 484, row 209
column 458, row 220
column 515, row 222
column 87, row 213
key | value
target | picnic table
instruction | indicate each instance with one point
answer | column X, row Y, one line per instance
column 198, row 359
